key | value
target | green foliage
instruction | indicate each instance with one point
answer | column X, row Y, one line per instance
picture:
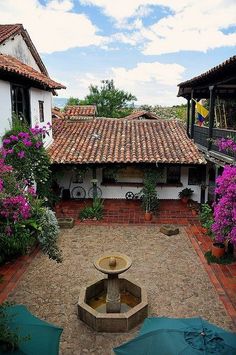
column 206, row 218
column 187, row 192
column 225, row 259
column 110, row 101
column 148, row 194
column 9, row 340
column 72, row 101
column 47, row 233
column 19, row 243
column 93, row 212
column 168, row 112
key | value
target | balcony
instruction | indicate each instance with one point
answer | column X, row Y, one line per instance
column 201, row 137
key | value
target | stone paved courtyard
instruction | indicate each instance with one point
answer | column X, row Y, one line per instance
column 168, row 267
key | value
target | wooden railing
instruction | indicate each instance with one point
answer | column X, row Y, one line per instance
column 201, row 137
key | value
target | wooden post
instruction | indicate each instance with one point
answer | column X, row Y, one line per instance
column 203, row 185
column 192, row 115
column 94, row 174
column 211, row 116
column 188, row 116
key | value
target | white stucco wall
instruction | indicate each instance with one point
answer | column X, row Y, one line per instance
column 118, row 192
column 5, row 107
column 37, row 95
column 16, row 47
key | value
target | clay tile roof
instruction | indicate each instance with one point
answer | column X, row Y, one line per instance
column 229, row 64
column 7, row 31
column 142, row 114
column 80, row 110
column 9, row 64
column 57, row 113
column 122, row 141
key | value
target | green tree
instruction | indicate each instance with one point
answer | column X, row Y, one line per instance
column 110, row 101
column 73, row 101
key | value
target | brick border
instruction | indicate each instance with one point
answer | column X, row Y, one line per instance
column 214, row 272
column 12, row 272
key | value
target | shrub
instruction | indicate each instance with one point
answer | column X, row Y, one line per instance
column 47, row 235
column 206, row 218
column 93, row 212
column 148, row 194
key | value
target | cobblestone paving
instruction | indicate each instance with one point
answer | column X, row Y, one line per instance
column 168, row 267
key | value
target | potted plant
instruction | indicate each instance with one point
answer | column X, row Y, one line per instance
column 148, row 194
column 207, row 220
column 185, row 194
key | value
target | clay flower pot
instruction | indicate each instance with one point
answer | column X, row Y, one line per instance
column 147, row 216
column 218, row 249
column 184, row 199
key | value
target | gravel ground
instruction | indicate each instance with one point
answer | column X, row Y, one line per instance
column 168, row 267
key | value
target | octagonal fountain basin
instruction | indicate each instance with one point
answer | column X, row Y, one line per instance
column 92, row 306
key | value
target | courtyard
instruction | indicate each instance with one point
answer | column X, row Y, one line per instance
column 168, row 267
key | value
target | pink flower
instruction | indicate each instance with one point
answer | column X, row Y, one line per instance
column 6, row 141
column 1, row 184
column 21, row 154
column 38, row 144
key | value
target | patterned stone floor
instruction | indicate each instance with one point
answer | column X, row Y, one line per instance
column 168, row 267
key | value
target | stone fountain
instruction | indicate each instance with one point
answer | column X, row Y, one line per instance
column 113, row 304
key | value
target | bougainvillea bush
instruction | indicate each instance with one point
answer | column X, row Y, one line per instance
column 224, row 226
column 23, row 214
column 23, row 149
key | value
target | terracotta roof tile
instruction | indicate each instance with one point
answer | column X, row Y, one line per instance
column 9, row 64
column 122, row 141
column 142, row 114
column 7, row 31
column 80, row 111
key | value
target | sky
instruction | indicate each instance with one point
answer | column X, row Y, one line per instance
column 147, row 46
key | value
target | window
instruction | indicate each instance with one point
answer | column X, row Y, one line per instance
column 20, row 102
column 173, row 175
column 194, row 176
column 41, row 111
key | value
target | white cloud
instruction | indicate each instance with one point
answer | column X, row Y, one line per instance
column 51, row 27
column 152, row 83
column 192, row 25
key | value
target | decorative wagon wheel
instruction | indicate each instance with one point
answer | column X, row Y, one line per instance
column 129, row 195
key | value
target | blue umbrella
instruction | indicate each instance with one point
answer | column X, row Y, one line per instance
column 44, row 337
column 185, row 336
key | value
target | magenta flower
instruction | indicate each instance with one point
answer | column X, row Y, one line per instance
column 21, row 154
column 14, row 138
column 38, row 144
column 1, row 184
column 27, row 143
column 6, row 141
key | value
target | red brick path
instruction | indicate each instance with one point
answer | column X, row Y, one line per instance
column 223, row 277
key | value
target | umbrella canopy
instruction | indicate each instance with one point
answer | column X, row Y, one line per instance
column 173, row 336
column 44, row 337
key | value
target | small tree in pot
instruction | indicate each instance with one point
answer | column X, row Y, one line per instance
column 148, row 194
column 185, row 194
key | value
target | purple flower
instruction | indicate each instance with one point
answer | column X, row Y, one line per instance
column 21, row 154
column 6, row 141
column 38, row 144
column 24, row 135
column 14, row 138
column 27, row 143
column 1, row 184
column 8, row 230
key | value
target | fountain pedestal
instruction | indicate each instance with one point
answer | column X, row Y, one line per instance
column 113, row 294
